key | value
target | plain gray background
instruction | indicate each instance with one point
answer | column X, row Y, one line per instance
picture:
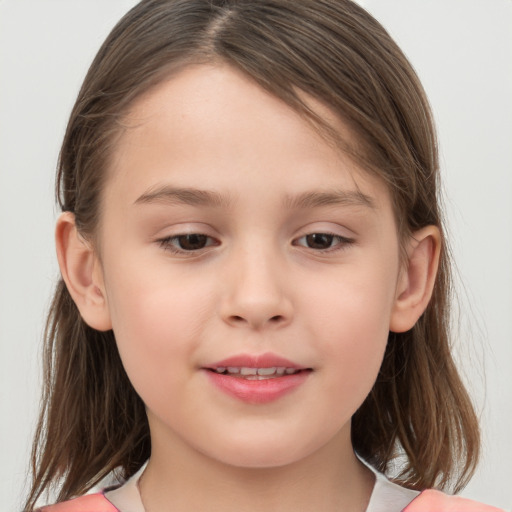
column 462, row 50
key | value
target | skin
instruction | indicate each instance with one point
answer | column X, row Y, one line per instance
column 258, row 285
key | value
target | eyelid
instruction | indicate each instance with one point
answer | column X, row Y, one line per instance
column 167, row 243
column 343, row 241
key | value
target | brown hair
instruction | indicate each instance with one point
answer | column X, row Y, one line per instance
column 92, row 421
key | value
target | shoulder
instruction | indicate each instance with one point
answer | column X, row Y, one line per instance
column 87, row 503
column 436, row 501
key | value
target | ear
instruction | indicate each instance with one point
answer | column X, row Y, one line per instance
column 82, row 273
column 417, row 278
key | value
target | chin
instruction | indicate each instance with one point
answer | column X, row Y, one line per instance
column 255, row 453
column 259, row 460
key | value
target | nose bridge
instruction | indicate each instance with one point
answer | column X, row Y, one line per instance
column 255, row 293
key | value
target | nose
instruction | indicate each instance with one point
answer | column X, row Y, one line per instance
column 256, row 292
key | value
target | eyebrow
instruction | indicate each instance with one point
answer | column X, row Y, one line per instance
column 316, row 199
column 172, row 195
column 166, row 194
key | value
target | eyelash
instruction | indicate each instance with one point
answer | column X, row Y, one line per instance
column 342, row 242
column 169, row 243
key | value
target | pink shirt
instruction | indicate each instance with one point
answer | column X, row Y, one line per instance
column 386, row 497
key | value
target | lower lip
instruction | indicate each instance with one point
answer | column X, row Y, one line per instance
column 258, row 391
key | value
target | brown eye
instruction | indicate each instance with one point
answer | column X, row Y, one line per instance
column 323, row 242
column 191, row 242
column 182, row 244
column 319, row 240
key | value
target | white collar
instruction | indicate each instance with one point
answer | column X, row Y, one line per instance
column 386, row 495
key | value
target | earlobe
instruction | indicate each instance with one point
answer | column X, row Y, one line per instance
column 81, row 271
column 417, row 279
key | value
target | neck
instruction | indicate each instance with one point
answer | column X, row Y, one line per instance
column 331, row 479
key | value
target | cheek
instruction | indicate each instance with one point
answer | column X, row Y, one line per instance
column 157, row 324
column 350, row 323
column 354, row 306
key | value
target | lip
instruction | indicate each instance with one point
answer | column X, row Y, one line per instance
column 266, row 360
column 257, row 391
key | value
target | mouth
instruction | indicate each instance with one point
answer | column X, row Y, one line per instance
column 250, row 373
column 257, row 379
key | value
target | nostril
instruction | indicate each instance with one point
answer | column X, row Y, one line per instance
column 240, row 319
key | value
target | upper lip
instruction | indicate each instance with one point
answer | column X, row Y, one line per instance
column 266, row 360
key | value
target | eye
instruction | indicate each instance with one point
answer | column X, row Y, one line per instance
column 323, row 241
column 187, row 243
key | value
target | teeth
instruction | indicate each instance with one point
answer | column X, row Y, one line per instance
column 256, row 373
column 248, row 371
column 266, row 371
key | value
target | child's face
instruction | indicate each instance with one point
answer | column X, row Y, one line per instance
column 291, row 252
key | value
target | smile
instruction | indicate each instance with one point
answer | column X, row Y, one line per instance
column 248, row 373
column 257, row 379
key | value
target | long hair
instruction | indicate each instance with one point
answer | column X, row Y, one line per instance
column 92, row 421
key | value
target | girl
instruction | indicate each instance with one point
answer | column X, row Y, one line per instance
column 254, row 304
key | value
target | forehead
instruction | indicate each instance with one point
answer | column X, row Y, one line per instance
column 212, row 122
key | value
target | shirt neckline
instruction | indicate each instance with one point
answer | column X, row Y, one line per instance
column 386, row 496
